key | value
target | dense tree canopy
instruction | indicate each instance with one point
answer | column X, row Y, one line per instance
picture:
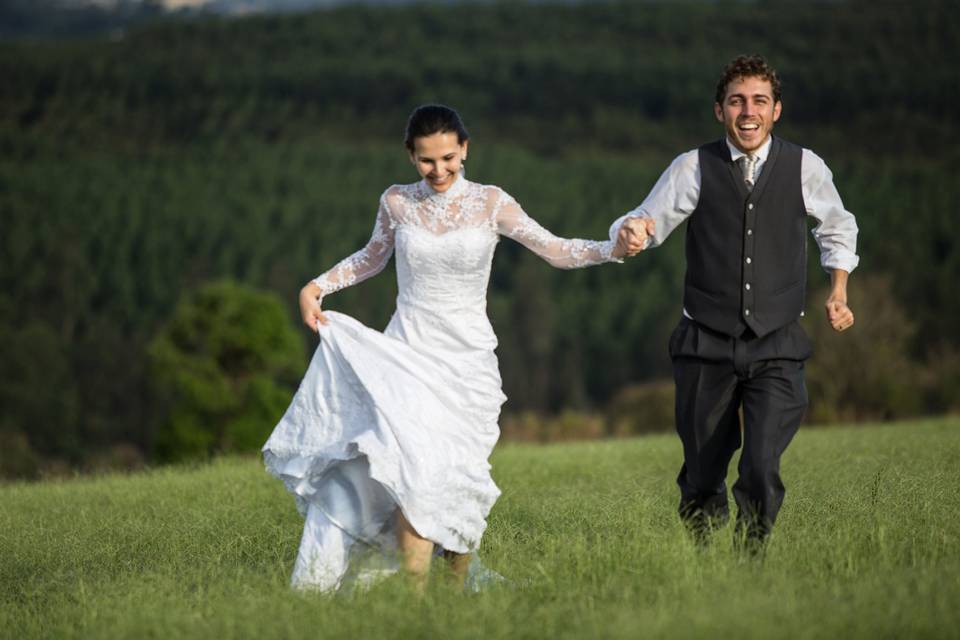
column 135, row 169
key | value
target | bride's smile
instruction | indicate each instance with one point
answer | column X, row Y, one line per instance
column 439, row 158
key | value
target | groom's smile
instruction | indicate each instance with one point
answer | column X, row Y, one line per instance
column 748, row 112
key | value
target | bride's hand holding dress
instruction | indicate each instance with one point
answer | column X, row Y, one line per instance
column 310, row 310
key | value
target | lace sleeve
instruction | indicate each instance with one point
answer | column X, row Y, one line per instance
column 513, row 222
column 366, row 262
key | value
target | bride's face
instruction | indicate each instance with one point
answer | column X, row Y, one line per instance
column 438, row 158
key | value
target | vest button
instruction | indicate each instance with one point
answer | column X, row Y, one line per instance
column 749, row 232
column 750, row 206
column 746, row 312
column 749, row 260
column 747, row 286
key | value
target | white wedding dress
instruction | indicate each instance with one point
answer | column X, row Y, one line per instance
column 407, row 418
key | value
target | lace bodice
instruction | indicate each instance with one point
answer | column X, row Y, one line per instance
column 445, row 243
column 419, row 401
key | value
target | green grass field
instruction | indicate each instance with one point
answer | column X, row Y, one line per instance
column 867, row 546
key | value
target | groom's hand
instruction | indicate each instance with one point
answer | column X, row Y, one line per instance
column 633, row 234
column 838, row 313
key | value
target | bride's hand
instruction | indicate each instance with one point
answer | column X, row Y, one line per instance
column 310, row 306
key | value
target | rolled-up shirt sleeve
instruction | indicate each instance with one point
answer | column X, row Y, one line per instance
column 672, row 199
column 836, row 229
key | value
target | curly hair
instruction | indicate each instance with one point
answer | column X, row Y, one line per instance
column 745, row 66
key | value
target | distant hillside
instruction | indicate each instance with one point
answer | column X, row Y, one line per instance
column 857, row 75
column 136, row 167
column 83, row 18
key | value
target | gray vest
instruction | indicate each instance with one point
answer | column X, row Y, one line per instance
column 746, row 251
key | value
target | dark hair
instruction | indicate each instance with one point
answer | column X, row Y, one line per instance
column 748, row 67
column 428, row 119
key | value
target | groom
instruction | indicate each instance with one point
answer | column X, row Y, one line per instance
column 739, row 345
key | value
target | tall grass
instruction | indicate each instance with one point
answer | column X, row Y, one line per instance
column 867, row 545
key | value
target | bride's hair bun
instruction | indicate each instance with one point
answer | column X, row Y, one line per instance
column 429, row 119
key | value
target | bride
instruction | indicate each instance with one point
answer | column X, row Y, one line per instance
column 385, row 443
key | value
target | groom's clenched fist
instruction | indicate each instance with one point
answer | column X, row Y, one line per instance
column 633, row 235
column 839, row 314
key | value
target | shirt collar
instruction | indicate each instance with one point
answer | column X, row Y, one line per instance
column 761, row 154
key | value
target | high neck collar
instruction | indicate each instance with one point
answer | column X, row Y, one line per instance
column 458, row 187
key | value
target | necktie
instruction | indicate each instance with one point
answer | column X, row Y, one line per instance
column 748, row 166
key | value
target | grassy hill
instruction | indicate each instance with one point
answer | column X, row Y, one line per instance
column 868, row 545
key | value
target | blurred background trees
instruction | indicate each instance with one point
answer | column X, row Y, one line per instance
column 137, row 168
column 224, row 369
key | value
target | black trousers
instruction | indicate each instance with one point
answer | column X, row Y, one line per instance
column 716, row 376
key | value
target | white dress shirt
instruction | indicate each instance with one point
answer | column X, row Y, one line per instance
column 675, row 195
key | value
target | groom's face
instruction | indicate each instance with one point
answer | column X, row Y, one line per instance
column 748, row 112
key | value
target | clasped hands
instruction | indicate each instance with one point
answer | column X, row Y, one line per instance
column 633, row 235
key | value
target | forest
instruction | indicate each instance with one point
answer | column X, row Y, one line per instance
column 166, row 191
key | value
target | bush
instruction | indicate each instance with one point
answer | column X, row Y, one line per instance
column 943, row 379
column 642, row 408
column 530, row 426
column 865, row 372
column 17, row 459
column 225, row 367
